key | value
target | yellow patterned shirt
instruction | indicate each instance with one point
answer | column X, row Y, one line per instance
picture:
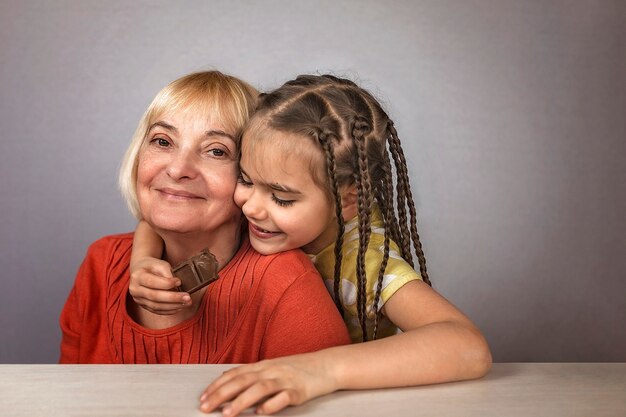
column 397, row 273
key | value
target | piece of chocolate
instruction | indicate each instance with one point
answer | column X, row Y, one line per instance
column 196, row 272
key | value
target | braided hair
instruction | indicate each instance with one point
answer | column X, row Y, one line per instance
column 361, row 149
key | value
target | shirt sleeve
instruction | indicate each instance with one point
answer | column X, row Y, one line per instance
column 397, row 274
column 304, row 320
column 72, row 320
column 70, row 327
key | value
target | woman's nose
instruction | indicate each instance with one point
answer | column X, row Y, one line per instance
column 182, row 165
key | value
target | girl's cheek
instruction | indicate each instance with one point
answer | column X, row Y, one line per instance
column 240, row 195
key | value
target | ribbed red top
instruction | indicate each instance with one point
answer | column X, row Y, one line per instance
column 260, row 307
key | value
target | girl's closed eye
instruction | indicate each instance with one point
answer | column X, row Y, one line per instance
column 281, row 202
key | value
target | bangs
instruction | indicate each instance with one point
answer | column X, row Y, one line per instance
column 218, row 98
column 213, row 107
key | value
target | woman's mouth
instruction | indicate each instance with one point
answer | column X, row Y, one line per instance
column 174, row 194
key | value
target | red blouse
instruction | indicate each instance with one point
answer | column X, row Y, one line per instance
column 260, row 307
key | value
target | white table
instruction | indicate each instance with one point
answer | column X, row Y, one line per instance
column 528, row 390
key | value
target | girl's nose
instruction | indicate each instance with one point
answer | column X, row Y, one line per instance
column 252, row 208
column 182, row 165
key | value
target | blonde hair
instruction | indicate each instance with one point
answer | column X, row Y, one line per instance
column 225, row 98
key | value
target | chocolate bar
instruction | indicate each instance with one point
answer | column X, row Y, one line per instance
column 196, row 272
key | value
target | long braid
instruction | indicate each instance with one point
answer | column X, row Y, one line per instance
column 364, row 201
column 403, row 230
column 381, row 276
column 385, row 197
column 385, row 193
column 404, row 174
column 325, row 141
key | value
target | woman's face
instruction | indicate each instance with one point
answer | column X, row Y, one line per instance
column 186, row 175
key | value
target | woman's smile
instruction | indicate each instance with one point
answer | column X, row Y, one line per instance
column 178, row 195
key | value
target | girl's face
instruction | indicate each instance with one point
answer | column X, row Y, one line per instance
column 285, row 208
column 186, row 175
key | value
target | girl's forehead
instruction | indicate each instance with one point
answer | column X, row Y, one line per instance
column 271, row 149
column 269, row 169
column 267, row 140
column 292, row 161
column 273, row 154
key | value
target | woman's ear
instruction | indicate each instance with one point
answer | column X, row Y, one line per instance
column 348, row 202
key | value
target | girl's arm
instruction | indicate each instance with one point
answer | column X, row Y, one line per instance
column 151, row 278
column 438, row 344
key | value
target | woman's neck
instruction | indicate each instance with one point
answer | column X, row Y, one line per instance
column 222, row 243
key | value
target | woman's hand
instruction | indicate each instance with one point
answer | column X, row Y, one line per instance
column 151, row 284
column 271, row 385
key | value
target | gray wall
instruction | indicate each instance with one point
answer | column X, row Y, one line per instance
column 511, row 112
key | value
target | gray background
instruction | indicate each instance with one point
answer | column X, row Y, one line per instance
column 512, row 114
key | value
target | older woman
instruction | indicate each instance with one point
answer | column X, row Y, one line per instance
column 179, row 175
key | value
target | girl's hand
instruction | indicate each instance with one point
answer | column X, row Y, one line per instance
column 270, row 385
column 151, row 285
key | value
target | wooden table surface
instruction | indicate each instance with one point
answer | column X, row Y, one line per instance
column 510, row 389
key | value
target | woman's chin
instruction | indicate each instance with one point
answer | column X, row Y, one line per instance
column 178, row 226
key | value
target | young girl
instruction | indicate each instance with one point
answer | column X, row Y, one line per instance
column 317, row 164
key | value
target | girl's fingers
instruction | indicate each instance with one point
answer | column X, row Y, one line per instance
column 160, row 267
column 226, row 377
column 154, row 298
column 162, row 309
column 165, row 296
column 257, row 392
column 228, row 389
column 271, row 385
column 157, row 282
column 275, row 403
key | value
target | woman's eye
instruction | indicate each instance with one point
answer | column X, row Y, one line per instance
column 242, row 181
column 217, row 152
column 161, row 142
column 281, row 202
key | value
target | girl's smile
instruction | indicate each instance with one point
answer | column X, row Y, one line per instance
column 261, row 233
